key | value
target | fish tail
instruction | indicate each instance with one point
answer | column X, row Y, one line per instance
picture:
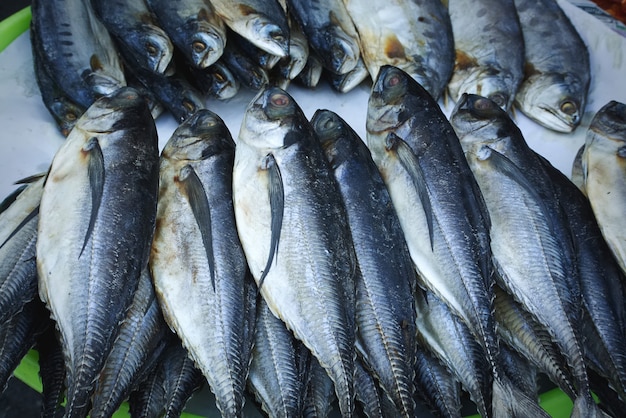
column 509, row 401
column 585, row 407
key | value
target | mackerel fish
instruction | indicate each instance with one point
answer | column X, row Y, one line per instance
column 386, row 283
column 193, row 27
column 534, row 264
column 294, row 232
column 415, row 36
column 97, row 216
column 489, row 49
column 436, row 386
column 76, row 49
column 197, row 263
column 556, row 71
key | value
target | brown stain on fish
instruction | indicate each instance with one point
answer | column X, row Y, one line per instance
column 394, row 48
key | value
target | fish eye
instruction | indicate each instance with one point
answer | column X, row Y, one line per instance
column 569, row 107
column 71, row 116
column 219, row 77
column 483, row 104
column 279, row 100
column 393, row 80
column 151, row 49
column 187, row 104
column 198, row 46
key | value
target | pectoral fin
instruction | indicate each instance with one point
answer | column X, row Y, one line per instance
column 95, row 171
column 195, row 192
column 412, row 166
column 277, row 204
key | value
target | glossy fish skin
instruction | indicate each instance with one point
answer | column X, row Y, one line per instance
column 413, row 35
column 320, row 392
column 519, row 192
column 311, row 73
column 556, row 71
column 215, row 81
column 18, row 237
column 385, row 306
column 489, row 50
column 84, row 281
column 193, row 27
column 51, row 371
column 279, row 369
column 141, row 333
column 604, row 166
column 450, row 341
column 181, row 378
column 76, row 48
column 134, row 27
column 262, row 22
column 436, row 386
column 330, row 32
column 198, row 265
column 248, row 72
column 294, row 232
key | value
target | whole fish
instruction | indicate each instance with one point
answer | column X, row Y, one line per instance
column 385, row 305
column 18, row 238
column 330, row 32
column 489, row 50
column 76, row 49
column 604, row 167
column 193, row 27
column 535, row 264
column 294, row 232
column 141, row 334
column 279, row 369
column 264, row 23
column 198, row 265
column 413, row 35
column 136, row 31
column 64, row 111
column 442, row 213
column 556, row 70
column 97, row 216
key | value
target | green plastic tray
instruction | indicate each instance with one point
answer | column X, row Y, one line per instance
column 554, row 401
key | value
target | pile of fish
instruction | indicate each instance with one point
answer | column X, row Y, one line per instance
column 308, row 270
column 522, row 53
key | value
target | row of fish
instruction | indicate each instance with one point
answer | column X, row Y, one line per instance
column 519, row 53
column 302, row 265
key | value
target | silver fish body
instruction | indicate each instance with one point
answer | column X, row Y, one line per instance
column 320, row 393
column 519, row 193
column 136, row 31
column 76, row 49
column 489, row 50
column 557, row 70
column 604, row 167
column 294, row 233
column 197, row 262
column 385, row 306
column 264, row 23
column 99, row 207
column 436, row 386
column 413, row 35
column 193, row 27
column 18, row 237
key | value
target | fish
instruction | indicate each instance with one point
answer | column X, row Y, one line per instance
column 320, row 393
column 51, row 371
column 489, row 50
column 141, row 335
column 603, row 170
column 343, row 83
column 290, row 66
column 136, row 31
column 518, row 193
column 415, row 36
column 64, row 111
column 329, row 31
column 193, row 27
column 311, row 73
column 248, row 72
column 97, row 218
column 215, row 81
column 181, row 378
column 557, row 70
column 279, row 369
column 264, row 23
column 385, row 305
column 197, row 262
column 18, row 238
column 436, row 387
column 291, row 223
column 260, row 57
column 76, row 49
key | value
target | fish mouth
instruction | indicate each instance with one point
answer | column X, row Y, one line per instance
column 270, row 37
column 206, row 47
column 344, row 53
column 556, row 120
column 158, row 49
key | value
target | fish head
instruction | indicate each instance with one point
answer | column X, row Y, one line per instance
column 343, row 50
column 268, row 35
column 199, row 137
column 274, row 119
column 298, row 54
column 66, row 113
column 610, row 122
column 477, row 119
column 224, row 84
column 103, row 115
column 205, row 45
column 151, row 48
column 555, row 101
column 490, row 83
column 336, row 137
